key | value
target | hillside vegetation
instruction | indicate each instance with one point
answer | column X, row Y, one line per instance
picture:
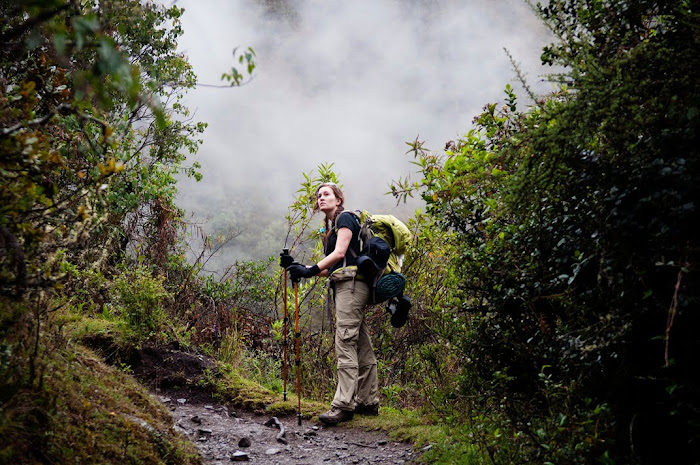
column 553, row 270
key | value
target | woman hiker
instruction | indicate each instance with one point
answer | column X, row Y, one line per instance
column 357, row 365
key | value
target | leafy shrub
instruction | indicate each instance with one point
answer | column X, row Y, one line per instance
column 574, row 313
column 140, row 300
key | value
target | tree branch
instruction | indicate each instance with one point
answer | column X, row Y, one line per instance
column 63, row 109
column 16, row 32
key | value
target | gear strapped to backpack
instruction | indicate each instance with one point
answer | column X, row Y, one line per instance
column 383, row 242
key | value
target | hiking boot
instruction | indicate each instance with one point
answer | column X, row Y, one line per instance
column 399, row 311
column 362, row 409
column 335, row 416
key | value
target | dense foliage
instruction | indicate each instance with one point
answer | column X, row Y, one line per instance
column 92, row 137
column 575, row 310
column 553, row 272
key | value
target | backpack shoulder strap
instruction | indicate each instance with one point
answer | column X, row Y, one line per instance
column 355, row 215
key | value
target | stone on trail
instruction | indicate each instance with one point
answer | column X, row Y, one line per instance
column 244, row 442
column 240, row 456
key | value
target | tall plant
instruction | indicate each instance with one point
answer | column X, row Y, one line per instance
column 86, row 138
column 576, row 219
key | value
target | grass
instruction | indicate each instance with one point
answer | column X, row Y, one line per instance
column 81, row 410
column 239, row 391
column 402, row 425
column 439, row 443
column 84, row 411
column 253, row 389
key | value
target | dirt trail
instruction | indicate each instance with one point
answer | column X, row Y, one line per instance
column 224, row 436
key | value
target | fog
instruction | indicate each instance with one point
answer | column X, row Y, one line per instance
column 342, row 82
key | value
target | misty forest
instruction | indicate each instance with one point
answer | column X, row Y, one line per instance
column 551, row 266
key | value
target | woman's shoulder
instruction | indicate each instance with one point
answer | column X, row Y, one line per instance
column 347, row 218
column 349, row 214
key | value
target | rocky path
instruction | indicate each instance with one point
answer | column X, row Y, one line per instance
column 224, row 436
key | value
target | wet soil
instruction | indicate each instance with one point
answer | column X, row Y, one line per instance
column 224, row 434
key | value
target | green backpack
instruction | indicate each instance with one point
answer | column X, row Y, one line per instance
column 389, row 228
column 383, row 242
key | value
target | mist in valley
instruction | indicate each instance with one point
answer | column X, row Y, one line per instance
column 347, row 83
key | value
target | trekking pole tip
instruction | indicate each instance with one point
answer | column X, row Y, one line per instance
column 299, row 418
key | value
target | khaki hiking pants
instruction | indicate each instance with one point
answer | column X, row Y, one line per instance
column 357, row 365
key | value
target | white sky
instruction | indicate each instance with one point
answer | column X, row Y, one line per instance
column 344, row 82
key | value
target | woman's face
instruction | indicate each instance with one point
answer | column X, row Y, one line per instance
column 326, row 199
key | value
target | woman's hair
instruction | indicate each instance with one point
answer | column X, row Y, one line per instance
column 338, row 195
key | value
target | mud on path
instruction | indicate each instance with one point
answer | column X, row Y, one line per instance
column 224, row 435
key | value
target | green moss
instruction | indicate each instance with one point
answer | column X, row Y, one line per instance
column 241, row 392
column 402, row 425
column 86, row 411
column 442, row 444
column 235, row 389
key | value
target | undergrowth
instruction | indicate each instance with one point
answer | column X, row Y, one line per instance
column 77, row 408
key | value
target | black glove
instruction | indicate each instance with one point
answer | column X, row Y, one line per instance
column 286, row 259
column 297, row 271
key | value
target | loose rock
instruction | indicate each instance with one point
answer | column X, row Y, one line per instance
column 240, row 456
column 218, row 439
column 244, row 442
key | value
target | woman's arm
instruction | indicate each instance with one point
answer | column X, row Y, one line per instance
column 341, row 248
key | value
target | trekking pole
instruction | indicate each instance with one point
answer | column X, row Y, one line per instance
column 285, row 332
column 298, row 360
